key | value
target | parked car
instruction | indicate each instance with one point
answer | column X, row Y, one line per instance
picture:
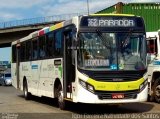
column 5, row 79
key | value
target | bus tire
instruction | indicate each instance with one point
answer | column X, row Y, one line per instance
column 27, row 95
column 61, row 101
column 150, row 98
column 156, row 90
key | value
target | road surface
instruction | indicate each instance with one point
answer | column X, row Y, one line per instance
column 13, row 104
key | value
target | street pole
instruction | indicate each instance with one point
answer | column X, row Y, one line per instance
column 88, row 6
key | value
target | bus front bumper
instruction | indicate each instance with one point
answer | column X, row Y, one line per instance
column 84, row 96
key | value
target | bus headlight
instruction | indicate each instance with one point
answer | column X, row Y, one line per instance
column 143, row 85
column 90, row 88
column 86, row 85
column 83, row 83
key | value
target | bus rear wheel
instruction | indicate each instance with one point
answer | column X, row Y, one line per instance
column 156, row 90
column 27, row 95
column 61, row 101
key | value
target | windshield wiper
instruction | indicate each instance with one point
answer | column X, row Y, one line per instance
column 127, row 38
column 104, row 40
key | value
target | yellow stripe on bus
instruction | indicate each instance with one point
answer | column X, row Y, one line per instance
column 52, row 28
column 56, row 26
column 115, row 86
column 112, row 15
column 59, row 25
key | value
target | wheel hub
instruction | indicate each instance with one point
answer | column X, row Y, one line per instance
column 60, row 97
column 25, row 91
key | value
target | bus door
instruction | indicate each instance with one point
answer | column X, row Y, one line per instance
column 69, row 67
column 18, row 65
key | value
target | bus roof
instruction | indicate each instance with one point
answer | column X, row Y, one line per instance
column 60, row 25
column 21, row 40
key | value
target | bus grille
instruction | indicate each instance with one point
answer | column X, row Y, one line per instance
column 115, row 77
column 108, row 95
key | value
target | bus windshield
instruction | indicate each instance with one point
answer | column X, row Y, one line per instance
column 112, row 51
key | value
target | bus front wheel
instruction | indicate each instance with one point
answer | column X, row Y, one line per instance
column 156, row 90
column 61, row 101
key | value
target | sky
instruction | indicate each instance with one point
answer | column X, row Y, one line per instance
column 11, row 10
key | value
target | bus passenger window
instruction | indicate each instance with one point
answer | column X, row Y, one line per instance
column 28, row 50
column 49, row 44
column 35, row 49
column 58, row 43
column 42, row 52
column 42, row 47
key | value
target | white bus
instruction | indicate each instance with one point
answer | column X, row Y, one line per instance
column 96, row 59
column 153, row 43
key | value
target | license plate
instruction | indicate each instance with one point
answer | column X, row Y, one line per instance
column 117, row 96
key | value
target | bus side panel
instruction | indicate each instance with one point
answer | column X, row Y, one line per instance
column 49, row 85
column 57, row 72
column 25, row 73
column 13, row 74
column 43, row 76
column 28, row 75
column 48, row 73
column 34, row 82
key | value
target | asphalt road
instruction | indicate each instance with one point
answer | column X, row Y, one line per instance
column 14, row 106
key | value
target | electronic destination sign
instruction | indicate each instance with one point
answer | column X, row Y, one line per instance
column 108, row 21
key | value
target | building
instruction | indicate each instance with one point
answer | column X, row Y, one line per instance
column 149, row 11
